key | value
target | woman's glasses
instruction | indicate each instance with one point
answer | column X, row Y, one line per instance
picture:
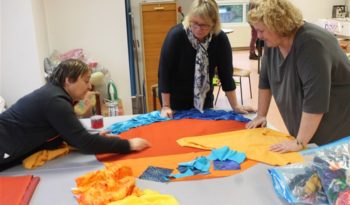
column 196, row 25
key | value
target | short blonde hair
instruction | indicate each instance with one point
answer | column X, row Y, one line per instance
column 206, row 9
column 279, row 16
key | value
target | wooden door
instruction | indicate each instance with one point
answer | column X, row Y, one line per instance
column 157, row 19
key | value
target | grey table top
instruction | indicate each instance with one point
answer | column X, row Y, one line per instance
column 253, row 186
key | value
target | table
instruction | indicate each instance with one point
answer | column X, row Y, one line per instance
column 254, row 186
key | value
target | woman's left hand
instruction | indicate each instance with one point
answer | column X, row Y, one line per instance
column 243, row 109
column 286, row 146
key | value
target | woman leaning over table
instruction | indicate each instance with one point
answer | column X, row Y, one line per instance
column 45, row 118
column 190, row 53
column 306, row 72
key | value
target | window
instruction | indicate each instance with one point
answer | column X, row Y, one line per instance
column 233, row 12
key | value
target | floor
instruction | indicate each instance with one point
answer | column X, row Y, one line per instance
column 241, row 60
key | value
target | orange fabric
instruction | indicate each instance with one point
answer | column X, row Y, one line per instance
column 113, row 183
column 163, row 136
column 171, row 162
column 41, row 157
column 17, row 190
column 255, row 143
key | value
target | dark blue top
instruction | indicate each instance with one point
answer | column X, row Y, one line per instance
column 177, row 64
column 42, row 115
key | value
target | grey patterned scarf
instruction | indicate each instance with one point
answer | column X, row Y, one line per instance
column 201, row 73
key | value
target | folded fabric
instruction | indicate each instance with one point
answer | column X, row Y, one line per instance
column 200, row 165
column 209, row 114
column 140, row 120
column 157, row 174
column 148, row 197
column 41, row 157
column 224, row 153
column 149, row 118
column 254, row 142
column 17, row 190
column 226, row 165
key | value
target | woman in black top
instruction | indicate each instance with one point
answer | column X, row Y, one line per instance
column 189, row 56
column 46, row 117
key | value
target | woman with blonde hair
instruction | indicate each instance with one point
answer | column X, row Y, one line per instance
column 306, row 72
column 190, row 53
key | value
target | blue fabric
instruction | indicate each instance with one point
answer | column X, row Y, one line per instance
column 225, row 153
column 154, row 116
column 137, row 121
column 157, row 174
column 200, row 165
column 209, row 114
column 226, row 165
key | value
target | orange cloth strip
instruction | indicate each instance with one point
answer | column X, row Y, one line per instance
column 17, row 190
column 163, row 136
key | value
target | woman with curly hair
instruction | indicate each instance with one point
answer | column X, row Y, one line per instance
column 306, row 72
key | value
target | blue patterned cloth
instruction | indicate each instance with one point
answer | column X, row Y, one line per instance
column 157, row 174
column 148, row 118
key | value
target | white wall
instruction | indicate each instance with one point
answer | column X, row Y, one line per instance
column 99, row 28
column 0, row 47
column 40, row 30
column 20, row 69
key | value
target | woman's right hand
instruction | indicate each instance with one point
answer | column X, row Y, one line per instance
column 166, row 112
column 258, row 121
column 138, row 144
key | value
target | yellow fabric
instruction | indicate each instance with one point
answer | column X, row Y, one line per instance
column 41, row 157
column 148, row 197
column 254, row 142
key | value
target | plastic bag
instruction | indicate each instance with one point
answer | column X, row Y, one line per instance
column 333, row 167
column 298, row 183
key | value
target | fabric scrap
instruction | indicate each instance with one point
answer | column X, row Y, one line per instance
column 139, row 165
column 140, row 120
column 113, row 183
column 17, row 190
column 226, row 165
column 41, row 157
column 209, row 114
column 254, row 142
column 148, row 197
column 200, row 165
column 225, row 153
column 152, row 117
column 157, row 174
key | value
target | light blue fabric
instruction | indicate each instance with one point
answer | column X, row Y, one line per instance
column 137, row 121
column 200, row 165
column 225, row 153
column 148, row 118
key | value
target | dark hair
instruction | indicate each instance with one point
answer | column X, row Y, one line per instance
column 71, row 69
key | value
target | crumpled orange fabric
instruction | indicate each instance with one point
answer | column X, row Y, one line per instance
column 113, row 183
column 254, row 142
column 41, row 157
column 148, row 197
